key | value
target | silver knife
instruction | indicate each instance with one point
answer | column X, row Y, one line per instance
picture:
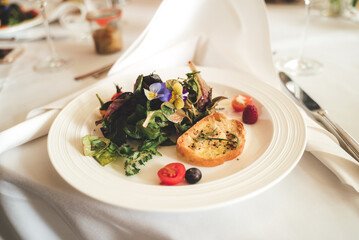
column 96, row 72
column 347, row 142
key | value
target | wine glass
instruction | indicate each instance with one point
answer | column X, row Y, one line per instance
column 350, row 10
column 300, row 65
column 54, row 62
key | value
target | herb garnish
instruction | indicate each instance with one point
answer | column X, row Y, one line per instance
column 207, row 137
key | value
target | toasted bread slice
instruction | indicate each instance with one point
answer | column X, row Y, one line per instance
column 212, row 141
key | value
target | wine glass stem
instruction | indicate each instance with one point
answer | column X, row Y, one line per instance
column 308, row 5
column 50, row 43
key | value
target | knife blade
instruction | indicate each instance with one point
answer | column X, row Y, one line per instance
column 95, row 73
column 347, row 142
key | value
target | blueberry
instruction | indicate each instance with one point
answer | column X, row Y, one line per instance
column 193, row 175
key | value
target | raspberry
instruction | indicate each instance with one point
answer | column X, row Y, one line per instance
column 250, row 114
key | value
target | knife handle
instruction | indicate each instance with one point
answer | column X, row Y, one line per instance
column 347, row 141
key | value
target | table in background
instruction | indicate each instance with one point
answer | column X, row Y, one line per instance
column 22, row 83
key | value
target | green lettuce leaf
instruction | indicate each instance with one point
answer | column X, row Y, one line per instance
column 101, row 149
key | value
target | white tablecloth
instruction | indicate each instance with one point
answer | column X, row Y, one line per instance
column 310, row 203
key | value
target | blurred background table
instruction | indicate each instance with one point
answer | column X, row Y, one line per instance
column 333, row 41
column 20, row 79
column 310, row 203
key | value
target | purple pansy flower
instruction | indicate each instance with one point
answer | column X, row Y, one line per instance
column 184, row 95
column 158, row 90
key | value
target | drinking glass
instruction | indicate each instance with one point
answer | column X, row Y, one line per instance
column 54, row 62
column 300, row 65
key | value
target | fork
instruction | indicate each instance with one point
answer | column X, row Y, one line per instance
column 96, row 73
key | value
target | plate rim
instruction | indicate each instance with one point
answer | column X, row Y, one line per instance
column 21, row 26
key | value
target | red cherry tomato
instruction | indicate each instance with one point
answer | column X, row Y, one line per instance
column 172, row 173
column 239, row 102
column 116, row 95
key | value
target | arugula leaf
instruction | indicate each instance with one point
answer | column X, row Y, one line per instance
column 133, row 131
column 181, row 128
column 131, row 167
column 192, row 86
column 167, row 108
column 131, row 128
column 152, row 144
column 144, row 153
column 151, row 131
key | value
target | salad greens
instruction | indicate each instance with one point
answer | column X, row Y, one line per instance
column 149, row 116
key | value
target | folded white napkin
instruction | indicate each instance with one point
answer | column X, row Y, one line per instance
column 38, row 124
column 230, row 34
column 324, row 146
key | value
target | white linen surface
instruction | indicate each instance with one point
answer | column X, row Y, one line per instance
column 226, row 34
column 171, row 39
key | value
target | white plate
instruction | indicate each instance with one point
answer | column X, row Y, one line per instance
column 274, row 146
column 23, row 25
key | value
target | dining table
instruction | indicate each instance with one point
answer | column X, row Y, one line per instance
column 308, row 202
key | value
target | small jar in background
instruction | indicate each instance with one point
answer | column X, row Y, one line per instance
column 106, row 30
